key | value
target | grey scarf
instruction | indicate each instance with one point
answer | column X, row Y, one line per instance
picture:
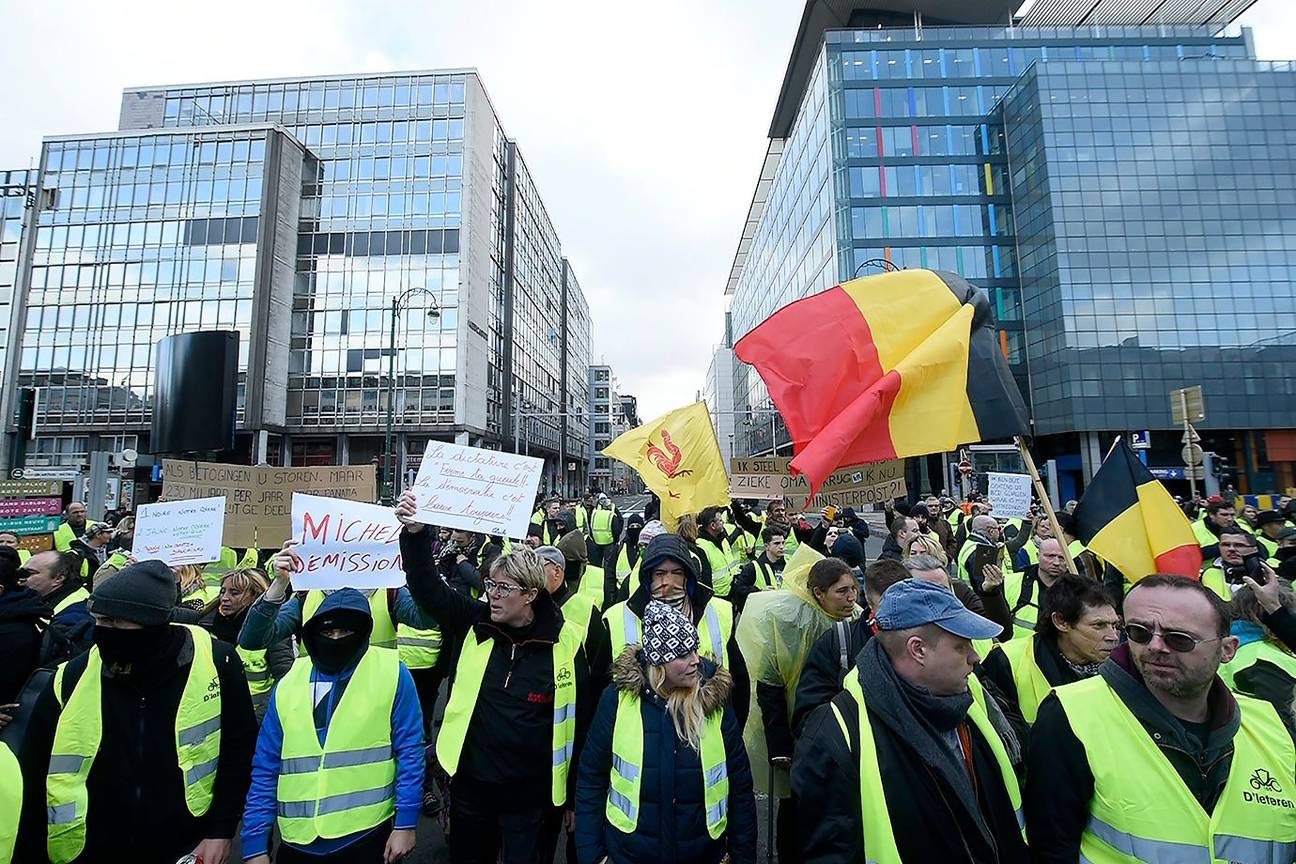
column 926, row 723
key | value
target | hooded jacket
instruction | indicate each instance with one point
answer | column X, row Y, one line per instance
column 508, row 752
column 1059, row 783
column 407, row 745
column 672, row 814
column 137, row 806
column 700, row 594
column 21, row 611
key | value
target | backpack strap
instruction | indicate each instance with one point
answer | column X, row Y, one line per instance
column 842, row 629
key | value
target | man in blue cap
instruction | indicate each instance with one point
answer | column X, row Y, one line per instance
column 908, row 755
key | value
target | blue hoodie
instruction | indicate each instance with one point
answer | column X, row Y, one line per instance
column 407, row 743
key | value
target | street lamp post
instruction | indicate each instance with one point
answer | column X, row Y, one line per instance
column 389, row 460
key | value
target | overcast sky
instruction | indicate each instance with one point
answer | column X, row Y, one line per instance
column 643, row 124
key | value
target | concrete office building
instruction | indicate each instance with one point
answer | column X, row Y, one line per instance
column 1114, row 175
column 296, row 211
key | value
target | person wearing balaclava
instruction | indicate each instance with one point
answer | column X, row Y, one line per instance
column 147, row 736
column 621, row 557
column 669, row 573
column 375, row 733
column 629, row 583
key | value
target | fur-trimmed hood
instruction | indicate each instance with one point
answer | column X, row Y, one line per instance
column 629, row 675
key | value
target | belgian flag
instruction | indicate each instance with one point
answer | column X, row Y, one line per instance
column 900, row 364
column 1129, row 519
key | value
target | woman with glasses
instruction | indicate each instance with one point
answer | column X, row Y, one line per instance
column 518, row 697
column 1068, row 645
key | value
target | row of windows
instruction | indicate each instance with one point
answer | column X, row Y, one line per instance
column 333, row 361
column 432, row 204
column 103, row 154
column 970, row 262
column 921, row 102
column 919, row 180
column 864, row 142
column 369, row 401
column 394, row 167
column 393, row 132
column 931, row 220
column 235, row 103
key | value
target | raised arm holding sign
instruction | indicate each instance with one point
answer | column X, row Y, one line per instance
column 478, row 490
column 344, row 544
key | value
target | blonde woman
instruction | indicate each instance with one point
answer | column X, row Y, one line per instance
column 195, row 593
column 262, row 668
column 923, row 544
column 664, row 775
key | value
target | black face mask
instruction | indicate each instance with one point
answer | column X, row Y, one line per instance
column 1284, row 554
column 125, row 648
column 332, row 656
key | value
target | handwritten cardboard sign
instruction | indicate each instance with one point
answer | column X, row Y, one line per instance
column 258, row 500
column 471, row 489
column 344, row 544
column 180, row 532
column 853, row 486
column 1010, row 494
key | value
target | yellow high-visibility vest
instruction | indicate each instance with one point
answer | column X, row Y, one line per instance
column 384, row 629
column 601, row 527
column 11, row 792
column 80, row 595
column 1252, row 653
column 80, row 730
column 1157, row 818
column 725, row 563
column 473, row 658
column 626, row 778
column 1031, row 684
column 714, row 630
column 346, row 785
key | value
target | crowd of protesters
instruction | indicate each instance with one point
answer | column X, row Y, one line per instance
column 985, row 690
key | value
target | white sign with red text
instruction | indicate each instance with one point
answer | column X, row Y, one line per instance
column 471, row 489
column 180, row 532
column 344, row 544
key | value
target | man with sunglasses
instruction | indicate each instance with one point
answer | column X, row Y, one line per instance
column 1153, row 759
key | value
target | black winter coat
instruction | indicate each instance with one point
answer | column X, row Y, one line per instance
column 137, row 808
column 672, row 814
column 508, row 750
column 825, row 779
column 21, row 611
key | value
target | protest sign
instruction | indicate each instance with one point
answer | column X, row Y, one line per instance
column 852, row 486
column 476, row 490
column 344, row 544
column 258, row 499
column 1010, row 494
column 179, row 532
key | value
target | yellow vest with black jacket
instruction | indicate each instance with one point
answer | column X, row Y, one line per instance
column 11, row 796
column 347, row 785
column 79, row 732
column 1142, row 811
column 1028, row 678
column 725, row 563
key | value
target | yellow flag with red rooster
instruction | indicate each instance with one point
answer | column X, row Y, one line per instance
column 678, row 457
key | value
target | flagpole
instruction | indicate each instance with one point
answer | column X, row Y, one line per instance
column 1044, row 499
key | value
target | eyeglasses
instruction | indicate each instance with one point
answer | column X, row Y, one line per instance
column 501, row 589
column 1176, row 640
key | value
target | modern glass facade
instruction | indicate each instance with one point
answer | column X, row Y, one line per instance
column 898, row 157
column 385, row 187
column 15, row 189
column 1154, row 210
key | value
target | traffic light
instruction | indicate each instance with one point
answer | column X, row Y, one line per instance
column 26, row 413
column 1222, row 467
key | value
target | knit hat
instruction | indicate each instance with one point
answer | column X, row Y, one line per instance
column 667, row 634
column 650, row 530
column 551, row 555
column 144, row 593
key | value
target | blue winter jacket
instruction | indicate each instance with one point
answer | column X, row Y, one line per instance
column 672, row 816
column 407, row 744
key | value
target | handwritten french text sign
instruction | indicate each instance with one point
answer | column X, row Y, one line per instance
column 259, row 499
column 344, row 544
column 180, row 532
column 1010, row 494
column 485, row 491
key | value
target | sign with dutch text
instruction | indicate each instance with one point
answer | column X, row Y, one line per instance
column 854, row 486
column 1010, row 494
column 31, row 488
column 10, row 507
column 472, row 489
column 24, row 525
column 180, row 532
column 344, row 544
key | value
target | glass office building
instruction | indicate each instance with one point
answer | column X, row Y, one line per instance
column 296, row 211
column 889, row 148
column 16, row 189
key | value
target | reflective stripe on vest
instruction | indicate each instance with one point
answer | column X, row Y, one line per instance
column 1031, row 684
column 714, row 630
column 601, row 527
column 348, row 784
column 80, row 731
column 767, row 578
column 1157, row 818
column 879, row 836
column 723, row 564
column 1250, row 654
column 623, row 564
column 626, row 779
column 11, row 792
column 419, row 649
column 80, row 595
column 469, row 673
column 384, row 629
column 591, row 584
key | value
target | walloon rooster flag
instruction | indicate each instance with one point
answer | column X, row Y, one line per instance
column 1129, row 519
column 900, row 364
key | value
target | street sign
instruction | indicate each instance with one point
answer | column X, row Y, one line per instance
column 30, row 524
column 965, row 468
column 1192, row 454
column 1190, row 436
column 1197, row 473
column 1187, row 405
column 31, row 488
column 1141, row 440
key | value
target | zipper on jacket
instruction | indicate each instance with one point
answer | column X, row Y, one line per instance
column 512, row 656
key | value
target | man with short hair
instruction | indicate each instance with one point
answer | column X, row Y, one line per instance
column 713, row 540
column 1153, row 759
column 765, row 571
column 74, row 521
column 1219, row 515
column 1269, row 523
column 10, row 540
column 1025, row 591
column 903, row 531
column 1224, row 574
column 55, row 576
column 910, row 710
